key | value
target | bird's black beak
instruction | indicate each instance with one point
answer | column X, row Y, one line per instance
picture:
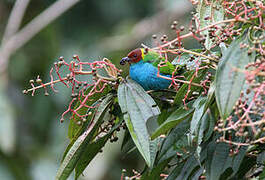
column 124, row 60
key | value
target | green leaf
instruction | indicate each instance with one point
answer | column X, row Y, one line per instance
column 176, row 171
column 175, row 142
column 238, row 159
column 92, row 150
column 174, row 119
column 245, row 166
column 220, row 161
column 215, row 13
column 210, row 125
column 210, row 95
column 78, row 130
column 75, row 130
column 188, row 170
column 78, row 147
column 229, row 76
column 262, row 175
column 199, row 105
column 220, row 156
column 137, row 107
column 154, row 173
column 203, row 125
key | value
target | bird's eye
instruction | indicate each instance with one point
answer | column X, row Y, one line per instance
column 135, row 55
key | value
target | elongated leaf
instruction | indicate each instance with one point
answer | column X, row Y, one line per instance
column 75, row 130
column 210, row 95
column 209, row 12
column 238, row 159
column 188, row 170
column 75, row 152
column 262, row 175
column 219, row 161
column 203, row 125
column 154, row 173
column 78, row 130
column 245, row 166
column 175, row 142
column 92, row 150
column 199, row 122
column 176, row 171
column 137, row 107
column 220, row 156
column 210, row 125
column 229, row 76
column 199, row 105
column 174, row 119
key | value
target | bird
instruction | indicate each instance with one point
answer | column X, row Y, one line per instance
column 144, row 64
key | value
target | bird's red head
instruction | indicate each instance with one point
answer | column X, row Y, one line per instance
column 133, row 57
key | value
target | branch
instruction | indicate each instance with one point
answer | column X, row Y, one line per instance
column 31, row 29
column 15, row 19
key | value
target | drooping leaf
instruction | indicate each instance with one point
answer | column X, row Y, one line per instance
column 188, row 169
column 78, row 147
column 238, row 159
column 219, row 157
column 229, row 76
column 175, row 142
column 137, row 107
column 92, row 150
column 199, row 106
column 74, row 129
column 155, row 172
column 262, row 175
column 245, row 166
column 174, row 119
column 220, row 163
column 210, row 95
column 209, row 12
column 210, row 125
column 203, row 125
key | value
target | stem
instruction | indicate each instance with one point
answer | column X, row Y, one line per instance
column 15, row 19
column 200, row 30
column 97, row 75
column 31, row 29
column 182, row 81
column 64, row 79
column 46, row 84
column 195, row 53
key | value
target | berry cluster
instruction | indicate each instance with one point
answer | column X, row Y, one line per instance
column 82, row 90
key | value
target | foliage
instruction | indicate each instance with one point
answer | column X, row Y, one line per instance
column 215, row 129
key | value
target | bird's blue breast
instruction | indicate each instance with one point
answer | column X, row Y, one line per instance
column 145, row 74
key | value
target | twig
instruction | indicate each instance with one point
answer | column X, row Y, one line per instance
column 46, row 84
column 192, row 52
column 182, row 81
column 200, row 30
column 64, row 79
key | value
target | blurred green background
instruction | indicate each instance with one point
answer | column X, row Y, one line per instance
column 32, row 140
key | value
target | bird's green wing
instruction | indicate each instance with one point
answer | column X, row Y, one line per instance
column 154, row 58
